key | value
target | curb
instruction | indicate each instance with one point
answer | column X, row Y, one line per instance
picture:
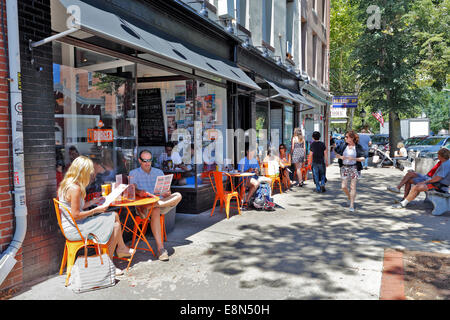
column 392, row 279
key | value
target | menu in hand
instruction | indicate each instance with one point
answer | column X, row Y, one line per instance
column 162, row 185
column 115, row 193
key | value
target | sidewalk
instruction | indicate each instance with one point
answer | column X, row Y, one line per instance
column 311, row 247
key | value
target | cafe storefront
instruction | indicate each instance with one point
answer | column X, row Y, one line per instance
column 278, row 105
column 122, row 85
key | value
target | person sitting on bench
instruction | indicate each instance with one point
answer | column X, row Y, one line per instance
column 439, row 181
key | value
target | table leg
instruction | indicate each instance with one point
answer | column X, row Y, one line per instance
column 140, row 235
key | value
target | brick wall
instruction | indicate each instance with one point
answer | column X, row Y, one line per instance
column 43, row 244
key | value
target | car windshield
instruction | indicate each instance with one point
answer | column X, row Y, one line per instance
column 413, row 141
column 435, row 141
column 379, row 139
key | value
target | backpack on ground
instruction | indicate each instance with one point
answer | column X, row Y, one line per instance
column 263, row 200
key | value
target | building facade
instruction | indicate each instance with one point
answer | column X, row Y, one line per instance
column 200, row 74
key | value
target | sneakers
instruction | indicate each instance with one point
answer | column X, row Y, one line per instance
column 163, row 255
column 351, row 209
column 393, row 189
column 323, row 188
column 398, row 206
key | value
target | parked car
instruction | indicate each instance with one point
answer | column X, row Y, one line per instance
column 413, row 140
column 380, row 142
column 428, row 147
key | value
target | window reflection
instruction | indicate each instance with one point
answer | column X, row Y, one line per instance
column 94, row 113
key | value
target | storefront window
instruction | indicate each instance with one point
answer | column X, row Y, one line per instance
column 262, row 127
column 288, row 128
column 187, row 106
column 94, row 112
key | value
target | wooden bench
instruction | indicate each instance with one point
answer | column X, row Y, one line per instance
column 440, row 201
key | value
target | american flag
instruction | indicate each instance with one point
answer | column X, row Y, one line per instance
column 379, row 117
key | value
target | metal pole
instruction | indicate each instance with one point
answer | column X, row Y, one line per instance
column 7, row 260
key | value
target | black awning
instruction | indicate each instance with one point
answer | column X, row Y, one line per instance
column 103, row 19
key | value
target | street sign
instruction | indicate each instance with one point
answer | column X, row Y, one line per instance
column 345, row 101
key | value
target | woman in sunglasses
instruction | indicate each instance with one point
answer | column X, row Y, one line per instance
column 350, row 156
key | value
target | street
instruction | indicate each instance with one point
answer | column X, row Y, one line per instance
column 311, row 247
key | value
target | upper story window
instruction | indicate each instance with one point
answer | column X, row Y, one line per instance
column 303, row 41
column 314, row 56
column 324, row 11
column 290, row 5
column 266, row 20
column 241, row 12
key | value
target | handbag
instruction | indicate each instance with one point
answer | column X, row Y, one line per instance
column 93, row 272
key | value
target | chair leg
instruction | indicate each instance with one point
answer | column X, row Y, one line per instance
column 238, row 204
column 163, row 228
column 227, row 207
column 279, row 185
column 64, row 260
column 214, row 205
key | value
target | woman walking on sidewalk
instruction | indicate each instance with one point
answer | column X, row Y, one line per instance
column 350, row 156
column 298, row 153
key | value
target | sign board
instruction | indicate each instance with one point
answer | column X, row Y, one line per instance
column 151, row 130
column 345, row 101
column 338, row 112
column 100, row 135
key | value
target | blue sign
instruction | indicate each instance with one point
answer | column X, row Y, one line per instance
column 345, row 101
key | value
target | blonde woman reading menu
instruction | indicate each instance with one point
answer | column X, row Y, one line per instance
column 105, row 225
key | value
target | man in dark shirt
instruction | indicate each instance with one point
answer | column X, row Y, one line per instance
column 319, row 163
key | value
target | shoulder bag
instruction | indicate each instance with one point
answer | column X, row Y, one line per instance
column 93, row 272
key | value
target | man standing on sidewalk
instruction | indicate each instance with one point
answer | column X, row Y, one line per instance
column 319, row 162
column 365, row 142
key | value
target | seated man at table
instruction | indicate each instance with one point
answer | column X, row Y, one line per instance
column 170, row 155
column 144, row 178
column 250, row 164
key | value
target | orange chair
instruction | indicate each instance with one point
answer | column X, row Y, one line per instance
column 140, row 221
column 222, row 195
column 71, row 247
column 306, row 166
column 274, row 178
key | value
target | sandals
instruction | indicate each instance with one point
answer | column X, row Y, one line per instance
column 119, row 272
column 125, row 254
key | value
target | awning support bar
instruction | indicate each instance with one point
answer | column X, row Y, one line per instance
column 51, row 38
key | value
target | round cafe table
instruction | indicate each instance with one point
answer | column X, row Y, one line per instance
column 240, row 185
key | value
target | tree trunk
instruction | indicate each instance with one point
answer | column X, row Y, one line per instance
column 394, row 131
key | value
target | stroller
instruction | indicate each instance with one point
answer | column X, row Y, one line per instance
column 381, row 157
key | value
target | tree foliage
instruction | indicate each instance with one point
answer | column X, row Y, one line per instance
column 345, row 30
column 429, row 23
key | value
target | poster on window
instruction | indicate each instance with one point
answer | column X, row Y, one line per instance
column 171, row 126
column 170, row 108
column 180, row 114
column 180, row 93
column 207, row 110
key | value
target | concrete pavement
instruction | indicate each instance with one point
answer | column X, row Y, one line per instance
column 311, row 247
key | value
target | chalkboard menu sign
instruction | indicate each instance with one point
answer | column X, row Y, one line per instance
column 150, row 118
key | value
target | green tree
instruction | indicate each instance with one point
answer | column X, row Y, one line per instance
column 436, row 107
column 386, row 61
column 345, row 30
column 429, row 22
